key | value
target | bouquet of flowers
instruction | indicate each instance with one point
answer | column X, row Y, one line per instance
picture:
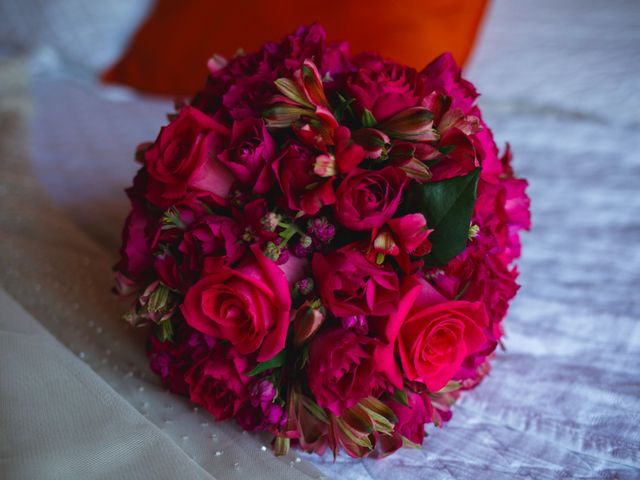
column 324, row 244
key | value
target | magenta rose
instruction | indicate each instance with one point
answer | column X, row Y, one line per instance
column 349, row 284
column 367, row 199
column 219, row 382
column 248, row 305
column 213, row 236
column 249, row 154
column 303, row 190
column 184, row 157
column 342, row 370
column 384, row 87
column 197, row 205
column 431, row 339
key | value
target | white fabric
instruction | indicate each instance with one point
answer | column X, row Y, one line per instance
column 560, row 82
column 86, row 34
column 60, row 419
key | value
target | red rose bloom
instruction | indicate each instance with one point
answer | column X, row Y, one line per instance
column 249, row 155
column 366, row 199
column 432, row 340
column 341, row 369
column 214, row 235
column 218, row 382
column 349, row 284
column 248, row 305
column 184, row 158
column 383, row 87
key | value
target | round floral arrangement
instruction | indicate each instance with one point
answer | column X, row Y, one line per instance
column 323, row 245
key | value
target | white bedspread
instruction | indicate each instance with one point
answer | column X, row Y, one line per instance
column 561, row 83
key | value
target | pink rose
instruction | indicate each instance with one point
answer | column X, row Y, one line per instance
column 183, row 158
column 249, row 155
column 248, row 305
column 367, row 199
column 197, row 205
column 349, row 284
column 218, row 382
column 342, row 370
column 431, row 339
column 213, row 236
column 383, row 87
column 303, row 190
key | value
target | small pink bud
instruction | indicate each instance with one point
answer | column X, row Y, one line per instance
column 325, row 166
column 306, row 323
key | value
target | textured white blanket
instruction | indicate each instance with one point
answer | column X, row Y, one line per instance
column 561, row 83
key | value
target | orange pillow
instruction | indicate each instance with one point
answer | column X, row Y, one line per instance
column 168, row 54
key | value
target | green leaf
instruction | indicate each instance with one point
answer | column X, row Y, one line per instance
column 401, row 397
column 368, row 120
column 274, row 362
column 344, row 107
column 303, row 359
column 447, row 149
column 448, row 206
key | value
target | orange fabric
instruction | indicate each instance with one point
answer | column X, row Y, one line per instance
column 168, row 54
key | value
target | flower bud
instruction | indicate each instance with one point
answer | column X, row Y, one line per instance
column 325, row 166
column 271, row 221
column 306, row 323
column 373, row 141
column 414, row 124
column 304, row 286
column 321, row 229
column 272, row 251
column 281, row 446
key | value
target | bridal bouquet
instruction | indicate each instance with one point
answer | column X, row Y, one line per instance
column 323, row 244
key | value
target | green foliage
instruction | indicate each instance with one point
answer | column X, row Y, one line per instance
column 447, row 206
column 275, row 362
